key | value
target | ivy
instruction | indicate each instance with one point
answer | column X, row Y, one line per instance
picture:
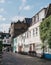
column 45, row 30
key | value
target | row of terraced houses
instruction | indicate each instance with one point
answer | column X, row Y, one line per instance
column 25, row 35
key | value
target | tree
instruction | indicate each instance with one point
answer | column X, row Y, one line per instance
column 45, row 30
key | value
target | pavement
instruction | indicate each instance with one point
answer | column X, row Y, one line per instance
column 10, row 58
column 0, row 58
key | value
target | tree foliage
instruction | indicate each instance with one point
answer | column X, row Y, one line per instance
column 45, row 30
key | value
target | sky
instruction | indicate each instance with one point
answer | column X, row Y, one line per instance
column 14, row 10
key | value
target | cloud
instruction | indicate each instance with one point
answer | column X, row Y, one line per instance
column 2, row 18
column 27, row 7
column 9, row 2
column 16, row 18
column 2, row 1
column 4, row 27
column 22, row 5
column 24, row 1
column 2, row 10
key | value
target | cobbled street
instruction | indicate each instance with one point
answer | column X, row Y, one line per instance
column 18, row 59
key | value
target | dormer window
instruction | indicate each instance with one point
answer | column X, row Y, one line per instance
column 37, row 18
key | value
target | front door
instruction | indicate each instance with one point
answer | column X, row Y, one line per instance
column 30, row 47
column 33, row 47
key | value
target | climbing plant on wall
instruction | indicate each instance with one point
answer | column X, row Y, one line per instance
column 45, row 30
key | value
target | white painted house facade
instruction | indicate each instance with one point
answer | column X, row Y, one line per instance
column 30, row 40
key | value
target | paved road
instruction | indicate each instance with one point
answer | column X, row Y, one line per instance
column 17, row 59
